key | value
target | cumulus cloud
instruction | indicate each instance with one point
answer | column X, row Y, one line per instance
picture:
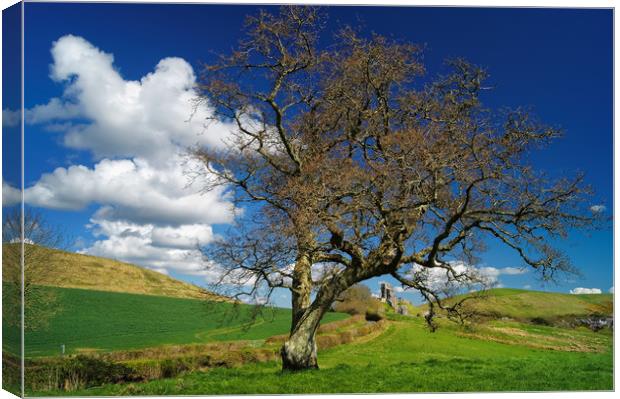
column 162, row 249
column 611, row 290
column 10, row 118
column 136, row 131
column 581, row 290
column 131, row 189
column 598, row 208
column 54, row 110
column 10, row 195
column 464, row 274
column 493, row 273
column 150, row 118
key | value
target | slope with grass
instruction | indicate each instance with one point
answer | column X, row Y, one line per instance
column 406, row 357
column 98, row 321
column 72, row 270
column 538, row 306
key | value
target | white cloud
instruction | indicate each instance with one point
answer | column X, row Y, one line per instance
column 132, row 190
column 492, row 273
column 598, row 208
column 399, row 289
column 261, row 300
column 54, row 110
column 150, row 118
column 581, row 290
column 10, row 118
column 323, row 270
column 464, row 274
column 438, row 278
column 143, row 244
column 611, row 290
column 10, row 195
column 527, row 287
column 512, row 271
column 136, row 130
column 162, row 271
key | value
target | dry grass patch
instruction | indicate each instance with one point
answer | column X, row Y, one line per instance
column 564, row 341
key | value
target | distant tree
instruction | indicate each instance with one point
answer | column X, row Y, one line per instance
column 357, row 166
column 38, row 238
column 355, row 300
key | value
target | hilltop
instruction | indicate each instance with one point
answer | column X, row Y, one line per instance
column 73, row 270
column 541, row 306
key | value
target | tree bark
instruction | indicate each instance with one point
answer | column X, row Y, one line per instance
column 302, row 288
column 299, row 351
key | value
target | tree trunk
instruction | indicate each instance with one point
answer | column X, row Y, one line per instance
column 302, row 287
column 299, row 351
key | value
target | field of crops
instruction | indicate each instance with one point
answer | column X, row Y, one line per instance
column 90, row 321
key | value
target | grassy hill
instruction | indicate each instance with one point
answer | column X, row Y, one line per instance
column 96, row 316
column 97, row 321
column 528, row 305
column 72, row 270
column 406, row 357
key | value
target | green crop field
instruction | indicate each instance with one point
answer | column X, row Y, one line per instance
column 408, row 358
column 105, row 321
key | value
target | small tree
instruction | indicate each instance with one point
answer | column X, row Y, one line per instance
column 356, row 165
column 355, row 300
column 38, row 237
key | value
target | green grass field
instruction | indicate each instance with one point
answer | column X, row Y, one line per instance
column 526, row 305
column 495, row 355
column 408, row 358
column 107, row 321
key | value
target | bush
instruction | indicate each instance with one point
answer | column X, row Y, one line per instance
column 172, row 368
column 355, row 300
column 77, row 372
column 375, row 311
column 541, row 321
column 373, row 315
column 83, row 371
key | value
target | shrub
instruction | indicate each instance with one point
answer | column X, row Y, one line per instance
column 171, row 368
column 77, row 372
column 373, row 315
column 355, row 300
column 541, row 321
column 375, row 311
column 82, row 371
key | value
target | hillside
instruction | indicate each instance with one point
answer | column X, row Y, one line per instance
column 529, row 305
column 72, row 270
column 97, row 321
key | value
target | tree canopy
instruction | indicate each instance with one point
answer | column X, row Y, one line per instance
column 360, row 164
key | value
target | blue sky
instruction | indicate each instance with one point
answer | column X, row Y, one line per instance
column 556, row 61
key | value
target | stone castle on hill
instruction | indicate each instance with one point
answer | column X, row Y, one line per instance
column 388, row 296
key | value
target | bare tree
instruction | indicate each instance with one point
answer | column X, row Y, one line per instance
column 39, row 238
column 357, row 165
